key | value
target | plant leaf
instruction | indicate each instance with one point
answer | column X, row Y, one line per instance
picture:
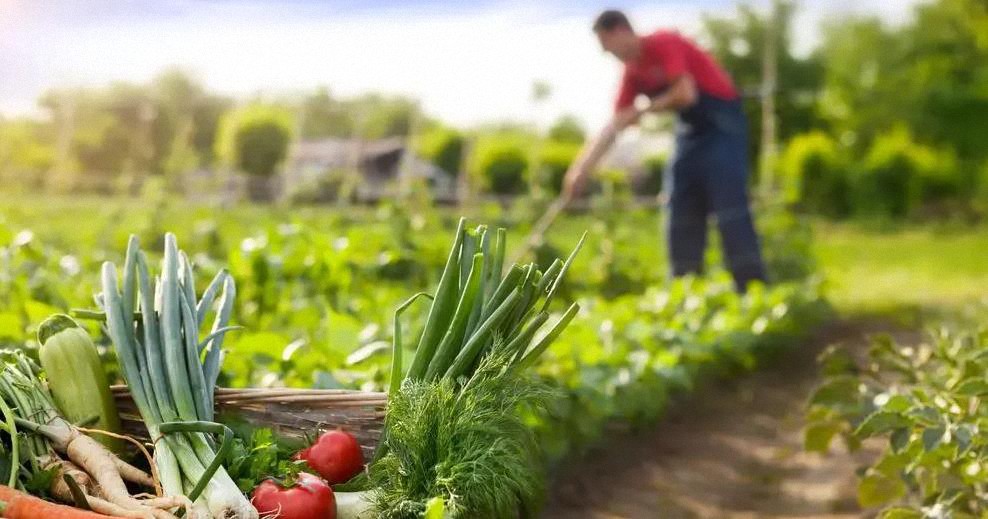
column 881, row 422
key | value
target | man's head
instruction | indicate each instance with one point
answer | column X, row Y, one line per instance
column 616, row 35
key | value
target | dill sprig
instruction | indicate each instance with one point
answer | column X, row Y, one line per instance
column 467, row 444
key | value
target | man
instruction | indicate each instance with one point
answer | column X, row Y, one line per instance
column 709, row 171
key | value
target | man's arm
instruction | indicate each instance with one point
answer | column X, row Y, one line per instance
column 681, row 94
column 595, row 150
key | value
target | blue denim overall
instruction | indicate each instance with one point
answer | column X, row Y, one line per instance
column 708, row 174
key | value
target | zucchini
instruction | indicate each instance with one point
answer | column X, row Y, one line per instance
column 76, row 378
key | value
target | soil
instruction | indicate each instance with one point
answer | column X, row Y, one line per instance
column 732, row 450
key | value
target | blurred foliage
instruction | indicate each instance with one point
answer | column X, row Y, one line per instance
column 317, row 288
column 815, row 174
column 26, row 152
column 838, row 104
column 925, row 75
column 835, row 106
column 899, row 175
column 567, row 129
column 555, row 158
column 166, row 126
column 738, row 42
column 981, row 188
column 500, row 163
column 254, row 139
column 653, row 174
column 368, row 116
column 322, row 115
column 443, row 147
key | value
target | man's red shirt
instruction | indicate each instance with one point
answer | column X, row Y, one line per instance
column 666, row 55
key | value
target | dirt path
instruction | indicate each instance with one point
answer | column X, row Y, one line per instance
column 732, row 451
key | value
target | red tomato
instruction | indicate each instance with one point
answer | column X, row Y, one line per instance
column 309, row 498
column 336, row 456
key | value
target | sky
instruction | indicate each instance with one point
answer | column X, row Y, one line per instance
column 466, row 62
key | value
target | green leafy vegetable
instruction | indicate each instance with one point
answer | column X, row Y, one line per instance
column 262, row 456
column 470, row 447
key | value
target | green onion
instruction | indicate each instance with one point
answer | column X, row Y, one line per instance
column 442, row 309
column 170, row 382
column 476, row 309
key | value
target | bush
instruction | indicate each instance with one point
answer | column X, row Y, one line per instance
column 443, row 147
column 501, row 164
column 815, row 176
column 26, row 153
column 899, row 176
column 255, row 139
column 555, row 158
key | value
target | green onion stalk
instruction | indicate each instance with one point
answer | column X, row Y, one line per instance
column 23, row 397
column 171, row 373
column 478, row 308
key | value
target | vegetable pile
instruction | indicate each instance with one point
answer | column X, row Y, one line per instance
column 154, row 327
column 58, row 458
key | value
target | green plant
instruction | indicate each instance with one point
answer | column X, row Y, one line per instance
column 555, row 158
column 255, row 139
column 980, row 199
column 172, row 372
column 443, row 147
column 899, row 175
column 927, row 400
column 468, row 445
column 567, row 129
column 501, row 165
column 653, row 174
column 815, row 174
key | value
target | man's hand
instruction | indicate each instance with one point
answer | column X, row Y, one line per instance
column 579, row 171
column 626, row 118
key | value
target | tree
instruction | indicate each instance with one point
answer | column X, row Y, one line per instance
column 380, row 116
column 104, row 136
column 167, row 126
column 176, row 95
column 443, row 147
column 737, row 43
column 27, row 151
column 325, row 116
column 205, row 126
column 925, row 76
column 255, row 139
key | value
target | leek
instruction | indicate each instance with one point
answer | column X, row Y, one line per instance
column 171, row 383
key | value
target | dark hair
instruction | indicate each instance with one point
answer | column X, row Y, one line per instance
column 611, row 19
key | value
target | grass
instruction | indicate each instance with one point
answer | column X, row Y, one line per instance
column 920, row 268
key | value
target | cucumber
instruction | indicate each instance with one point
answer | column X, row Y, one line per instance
column 76, row 378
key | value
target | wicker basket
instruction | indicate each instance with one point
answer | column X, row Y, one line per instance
column 291, row 413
